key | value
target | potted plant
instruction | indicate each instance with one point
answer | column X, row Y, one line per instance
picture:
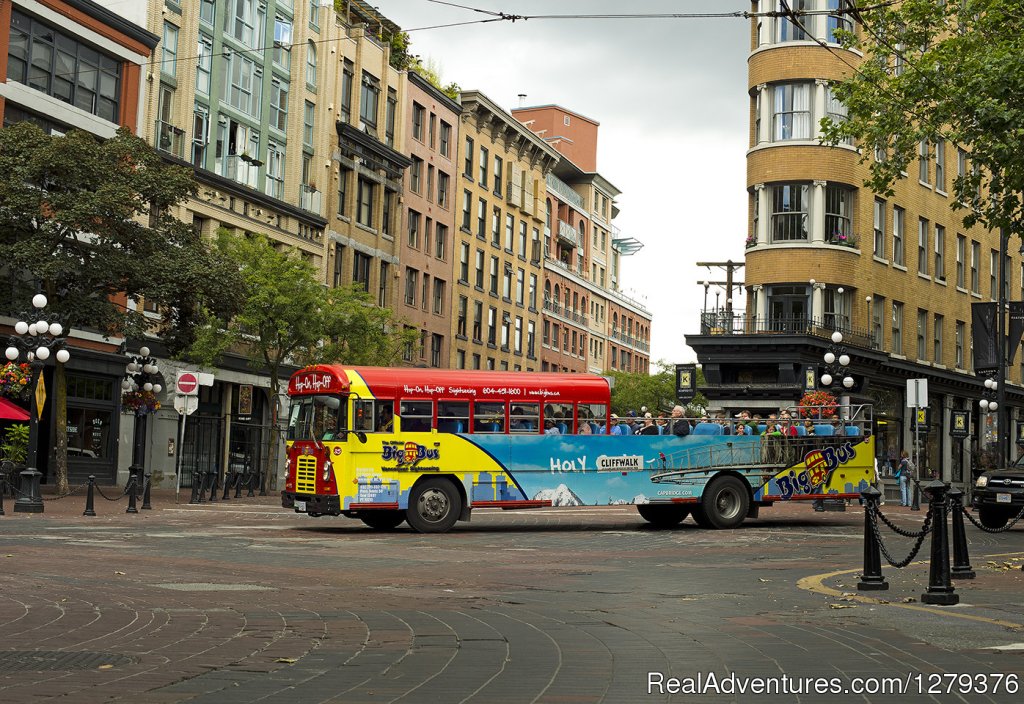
column 139, row 402
column 818, row 404
column 15, row 380
column 13, row 453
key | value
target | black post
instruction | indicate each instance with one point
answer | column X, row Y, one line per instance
column 214, row 483
column 252, row 483
column 89, row 501
column 197, row 485
column 871, row 579
column 961, row 560
column 915, row 492
column 145, row 493
column 133, row 471
column 940, row 588
column 29, row 499
column 238, row 484
column 227, row 486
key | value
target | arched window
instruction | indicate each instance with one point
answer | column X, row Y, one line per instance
column 311, row 64
column 583, row 305
column 615, row 322
column 547, row 216
column 557, row 296
column 575, row 301
column 547, row 291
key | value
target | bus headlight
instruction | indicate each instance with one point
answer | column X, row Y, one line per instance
column 982, row 481
column 328, row 470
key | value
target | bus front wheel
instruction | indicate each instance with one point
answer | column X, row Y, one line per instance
column 663, row 516
column 434, row 506
column 724, row 504
column 382, row 520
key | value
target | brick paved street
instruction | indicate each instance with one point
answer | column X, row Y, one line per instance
column 242, row 601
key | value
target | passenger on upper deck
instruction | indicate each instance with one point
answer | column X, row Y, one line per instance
column 680, row 426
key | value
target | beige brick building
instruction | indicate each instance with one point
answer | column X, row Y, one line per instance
column 896, row 275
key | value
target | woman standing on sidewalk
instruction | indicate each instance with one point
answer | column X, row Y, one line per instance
column 904, row 473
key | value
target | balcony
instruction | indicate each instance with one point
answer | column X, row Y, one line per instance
column 563, row 191
column 738, row 323
column 310, row 199
column 240, row 169
column 170, row 139
column 634, row 342
column 568, row 234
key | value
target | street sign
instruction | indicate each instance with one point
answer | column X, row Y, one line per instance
column 40, row 395
column 917, row 393
column 187, row 383
column 921, row 420
column 185, row 405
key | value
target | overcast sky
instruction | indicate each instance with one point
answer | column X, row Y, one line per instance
column 670, row 95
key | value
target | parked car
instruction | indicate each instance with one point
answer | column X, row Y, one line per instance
column 999, row 494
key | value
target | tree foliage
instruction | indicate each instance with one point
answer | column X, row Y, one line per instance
column 657, row 391
column 949, row 70
column 90, row 222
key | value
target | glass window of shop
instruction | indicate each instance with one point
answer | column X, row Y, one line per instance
column 888, row 412
column 91, row 424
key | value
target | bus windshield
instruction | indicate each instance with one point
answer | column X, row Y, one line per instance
column 317, row 417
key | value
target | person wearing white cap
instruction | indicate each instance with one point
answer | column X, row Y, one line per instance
column 648, row 427
column 617, row 428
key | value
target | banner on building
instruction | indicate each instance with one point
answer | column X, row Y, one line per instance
column 1016, row 328
column 686, row 382
column 960, row 424
column 983, row 336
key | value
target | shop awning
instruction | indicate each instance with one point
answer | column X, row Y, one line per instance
column 12, row 411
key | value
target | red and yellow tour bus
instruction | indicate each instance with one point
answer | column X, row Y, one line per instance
column 427, row 446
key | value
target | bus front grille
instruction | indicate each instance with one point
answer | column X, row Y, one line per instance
column 305, row 474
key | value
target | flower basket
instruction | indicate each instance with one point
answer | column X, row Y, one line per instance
column 818, row 404
column 139, row 403
column 15, row 381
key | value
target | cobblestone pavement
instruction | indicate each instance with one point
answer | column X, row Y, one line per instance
column 242, row 601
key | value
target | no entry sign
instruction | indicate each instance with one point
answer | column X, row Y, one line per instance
column 187, row 383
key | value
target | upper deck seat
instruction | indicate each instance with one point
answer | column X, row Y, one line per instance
column 707, row 429
column 824, row 430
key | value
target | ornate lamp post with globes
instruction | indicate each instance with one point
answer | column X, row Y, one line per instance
column 138, row 395
column 37, row 341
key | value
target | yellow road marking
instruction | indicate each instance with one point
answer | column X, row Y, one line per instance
column 814, row 583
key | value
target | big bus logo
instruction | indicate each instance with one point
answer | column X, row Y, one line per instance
column 818, row 467
column 409, row 453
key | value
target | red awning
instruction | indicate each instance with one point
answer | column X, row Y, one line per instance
column 12, row 411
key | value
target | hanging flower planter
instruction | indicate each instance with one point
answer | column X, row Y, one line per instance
column 15, row 381
column 818, row 404
column 139, row 403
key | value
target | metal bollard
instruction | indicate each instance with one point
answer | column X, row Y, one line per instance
column 238, row 484
column 961, row 560
column 871, row 579
column 130, row 489
column 89, row 497
column 214, row 484
column 145, row 494
column 252, row 483
column 915, row 497
column 227, row 486
column 195, row 486
column 940, row 588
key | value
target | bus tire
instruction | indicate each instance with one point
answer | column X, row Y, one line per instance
column 382, row 520
column 701, row 518
column 434, row 506
column 663, row 516
column 725, row 502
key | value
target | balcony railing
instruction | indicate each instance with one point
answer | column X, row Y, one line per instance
column 738, row 323
column 630, row 340
column 563, row 191
column 238, row 169
column 310, row 199
column 568, row 234
column 170, row 139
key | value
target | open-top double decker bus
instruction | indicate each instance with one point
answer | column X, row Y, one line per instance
column 387, row 445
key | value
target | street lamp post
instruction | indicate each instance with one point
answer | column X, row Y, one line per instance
column 141, row 374
column 37, row 341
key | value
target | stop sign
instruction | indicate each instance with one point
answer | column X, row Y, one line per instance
column 188, row 383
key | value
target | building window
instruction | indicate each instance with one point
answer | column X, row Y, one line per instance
column 478, row 321
column 510, row 224
column 279, row 104
column 940, row 256
column 441, row 241
column 245, row 22
column 389, row 117
column 414, row 229
column 368, row 106
column 467, row 169
column 480, row 269
column 975, row 265
column 520, row 285
column 922, row 246
column 169, row 64
column 463, row 310
column 467, row 210
column 244, row 84
column 791, row 111
column 897, row 327
column 425, row 297
column 838, row 206
column 364, row 213
column 446, row 139
column 442, row 189
column 485, row 160
column 879, row 228
column 78, row 75
column 314, row 12
column 961, row 258
column 494, row 276
column 506, row 282
column 481, row 218
column 937, row 324
column 922, row 333
column 418, row 116
column 283, row 43
column 993, row 274
column 533, row 292
column 531, row 338
column 200, row 135
column 492, row 322
column 836, row 111
column 347, row 79
column 415, row 174
column 877, row 318
column 311, row 67
column 922, row 161
column 438, row 296
column 789, row 212
column 961, row 333
column 497, row 174
column 361, row 270
column 339, row 264
column 788, row 31
column 412, row 278
column 898, row 218
column 837, row 20
column 436, row 341
column 517, row 340
column 464, row 263
column 206, row 10
column 204, row 64
column 382, row 286
column 275, row 171
column 940, row 165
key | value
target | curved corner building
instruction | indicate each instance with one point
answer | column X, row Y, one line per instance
column 896, row 275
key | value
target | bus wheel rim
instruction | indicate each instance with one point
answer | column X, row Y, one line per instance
column 433, row 505
column 728, row 503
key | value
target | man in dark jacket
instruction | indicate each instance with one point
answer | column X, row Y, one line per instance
column 680, row 426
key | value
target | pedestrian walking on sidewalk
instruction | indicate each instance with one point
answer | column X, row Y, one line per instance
column 904, row 474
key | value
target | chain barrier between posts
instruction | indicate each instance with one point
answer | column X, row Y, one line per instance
column 959, row 506
column 920, row 535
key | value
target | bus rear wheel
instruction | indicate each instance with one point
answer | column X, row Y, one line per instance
column 382, row 520
column 434, row 506
column 724, row 504
column 661, row 516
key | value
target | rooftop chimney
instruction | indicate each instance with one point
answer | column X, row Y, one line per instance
column 522, row 100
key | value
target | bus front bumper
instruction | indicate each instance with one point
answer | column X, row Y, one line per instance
column 312, row 504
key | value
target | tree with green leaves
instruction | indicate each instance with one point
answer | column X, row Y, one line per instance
column 90, row 223
column 949, row 70
column 632, row 391
column 289, row 319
